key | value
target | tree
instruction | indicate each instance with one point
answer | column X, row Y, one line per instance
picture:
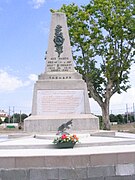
column 112, row 118
column 23, row 116
column 120, row 119
column 102, row 36
column 18, row 118
column 0, row 121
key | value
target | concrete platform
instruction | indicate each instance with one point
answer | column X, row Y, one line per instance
column 50, row 123
column 114, row 154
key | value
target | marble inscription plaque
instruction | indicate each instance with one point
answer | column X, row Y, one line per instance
column 59, row 64
column 60, row 102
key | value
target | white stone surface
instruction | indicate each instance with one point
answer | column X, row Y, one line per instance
column 61, row 85
column 28, row 152
column 83, row 138
column 64, row 63
column 49, row 123
column 60, row 102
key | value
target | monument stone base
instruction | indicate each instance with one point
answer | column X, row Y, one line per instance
column 44, row 124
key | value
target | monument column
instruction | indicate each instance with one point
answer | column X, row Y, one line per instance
column 60, row 94
column 59, row 55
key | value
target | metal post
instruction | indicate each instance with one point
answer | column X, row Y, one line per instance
column 9, row 115
column 134, row 111
column 20, row 117
column 13, row 115
column 127, row 112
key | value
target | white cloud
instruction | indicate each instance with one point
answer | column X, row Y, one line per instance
column 33, row 77
column 125, row 97
column 37, row 3
column 10, row 83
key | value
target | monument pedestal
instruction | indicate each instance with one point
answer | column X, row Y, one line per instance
column 45, row 124
column 60, row 93
column 56, row 101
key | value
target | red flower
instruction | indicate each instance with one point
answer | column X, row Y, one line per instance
column 75, row 137
column 63, row 136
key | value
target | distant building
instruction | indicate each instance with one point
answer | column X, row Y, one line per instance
column 3, row 115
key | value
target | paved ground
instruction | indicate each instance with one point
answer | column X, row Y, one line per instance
column 26, row 145
column 105, row 155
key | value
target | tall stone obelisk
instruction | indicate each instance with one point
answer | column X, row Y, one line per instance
column 60, row 94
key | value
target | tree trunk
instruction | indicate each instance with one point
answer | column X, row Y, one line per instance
column 105, row 116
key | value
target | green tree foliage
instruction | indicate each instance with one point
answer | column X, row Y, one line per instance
column 132, row 118
column 16, row 118
column 6, row 120
column 0, row 121
column 102, row 35
column 112, row 118
column 23, row 116
column 120, row 119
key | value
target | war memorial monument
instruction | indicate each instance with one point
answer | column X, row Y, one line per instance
column 60, row 96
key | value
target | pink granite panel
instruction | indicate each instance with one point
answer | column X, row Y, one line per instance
column 58, row 161
column 124, row 158
column 22, row 162
column 103, row 159
column 7, row 162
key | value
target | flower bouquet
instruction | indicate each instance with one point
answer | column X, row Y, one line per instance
column 66, row 141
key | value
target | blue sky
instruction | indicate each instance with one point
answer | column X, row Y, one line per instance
column 24, row 31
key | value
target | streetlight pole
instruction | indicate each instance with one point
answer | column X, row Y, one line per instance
column 20, row 117
column 13, row 114
column 127, row 111
column 134, row 111
column 9, row 115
